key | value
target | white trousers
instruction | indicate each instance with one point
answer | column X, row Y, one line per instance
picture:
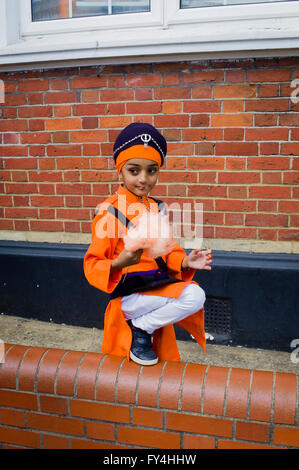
column 150, row 312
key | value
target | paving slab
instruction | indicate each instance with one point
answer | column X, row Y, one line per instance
column 17, row 330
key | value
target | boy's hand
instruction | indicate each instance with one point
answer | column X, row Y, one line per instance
column 126, row 258
column 198, row 259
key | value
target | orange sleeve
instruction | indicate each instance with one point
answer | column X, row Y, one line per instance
column 100, row 254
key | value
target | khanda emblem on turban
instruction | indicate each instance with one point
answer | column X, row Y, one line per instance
column 146, row 138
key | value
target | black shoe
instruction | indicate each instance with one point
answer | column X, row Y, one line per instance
column 141, row 347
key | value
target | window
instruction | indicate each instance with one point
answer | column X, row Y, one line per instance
column 41, row 32
column 214, row 3
column 43, row 10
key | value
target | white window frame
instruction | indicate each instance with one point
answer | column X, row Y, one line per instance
column 167, row 33
column 92, row 23
column 176, row 15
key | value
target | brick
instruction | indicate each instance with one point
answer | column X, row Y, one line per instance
column 20, row 163
column 127, row 382
column 229, row 120
column 271, row 192
column 202, row 106
column 66, row 374
column 57, row 424
column 105, row 389
column 171, row 120
column 198, row 442
column 291, row 178
column 152, row 107
column 227, row 444
column 215, row 390
column 88, row 444
column 12, row 138
column 88, row 136
column 20, row 400
column 43, row 226
column 149, row 79
column 285, row 398
column 117, row 95
column 207, row 191
column 267, row 105
column 33, row 85
column 47, row 370
column 148, row 438
column 268, row 75
column 268, row 163
column 148, row 388
column 35, row 138
column 12, row 417
column 272, row 178
column 60, row 97
column 88, row 82
column 96, row 430
column 246, row 177
column 233, row 106
column 192, row 387
column 115, row 122
column 261, row 395
column 9, row 370
column 170, row 385
column 90, row 109
column 266, row 91
column 234, row 233
column 100, row 411
column 201, row 134
column 266, row 120
column 51, row 441
column 234, row 91
column 47, row 201
column 59, row 84
column 252, row 431
column 60, row 124
column 202, row 77
column 20, row 437
column 199, row 424
column 69, row 188
column 62, row 111
column 54, row 176
column 28, row 369
column 284, row 435
column 13, row 151
column 53, row 404
column 276, row 220
column 263, row 134
column 35, row 111
column 63, row 150
column 172, row 93
column 288, row 235
column 206, row 163
column 147, row 417
column 86, row 378
column 236, row 148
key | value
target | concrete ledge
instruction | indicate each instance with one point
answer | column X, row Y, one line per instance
column 56, row 398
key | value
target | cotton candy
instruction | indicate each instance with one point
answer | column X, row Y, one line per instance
column 152, row 233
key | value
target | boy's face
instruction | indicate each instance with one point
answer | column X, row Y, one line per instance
column 140, row 175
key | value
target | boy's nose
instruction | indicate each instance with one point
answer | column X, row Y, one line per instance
column 142, row 177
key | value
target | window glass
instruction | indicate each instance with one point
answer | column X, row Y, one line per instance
column 216, row 3
column 60, row 9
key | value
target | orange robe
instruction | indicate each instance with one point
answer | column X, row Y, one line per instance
column 107, row 243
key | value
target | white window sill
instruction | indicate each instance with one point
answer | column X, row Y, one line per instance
column 261, row 37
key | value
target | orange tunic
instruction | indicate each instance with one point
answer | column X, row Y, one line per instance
column 107, row 243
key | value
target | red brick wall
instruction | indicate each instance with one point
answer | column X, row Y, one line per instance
column 52, row 398
column 233, row 140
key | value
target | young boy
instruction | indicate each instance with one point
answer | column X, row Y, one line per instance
column 147, row 296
